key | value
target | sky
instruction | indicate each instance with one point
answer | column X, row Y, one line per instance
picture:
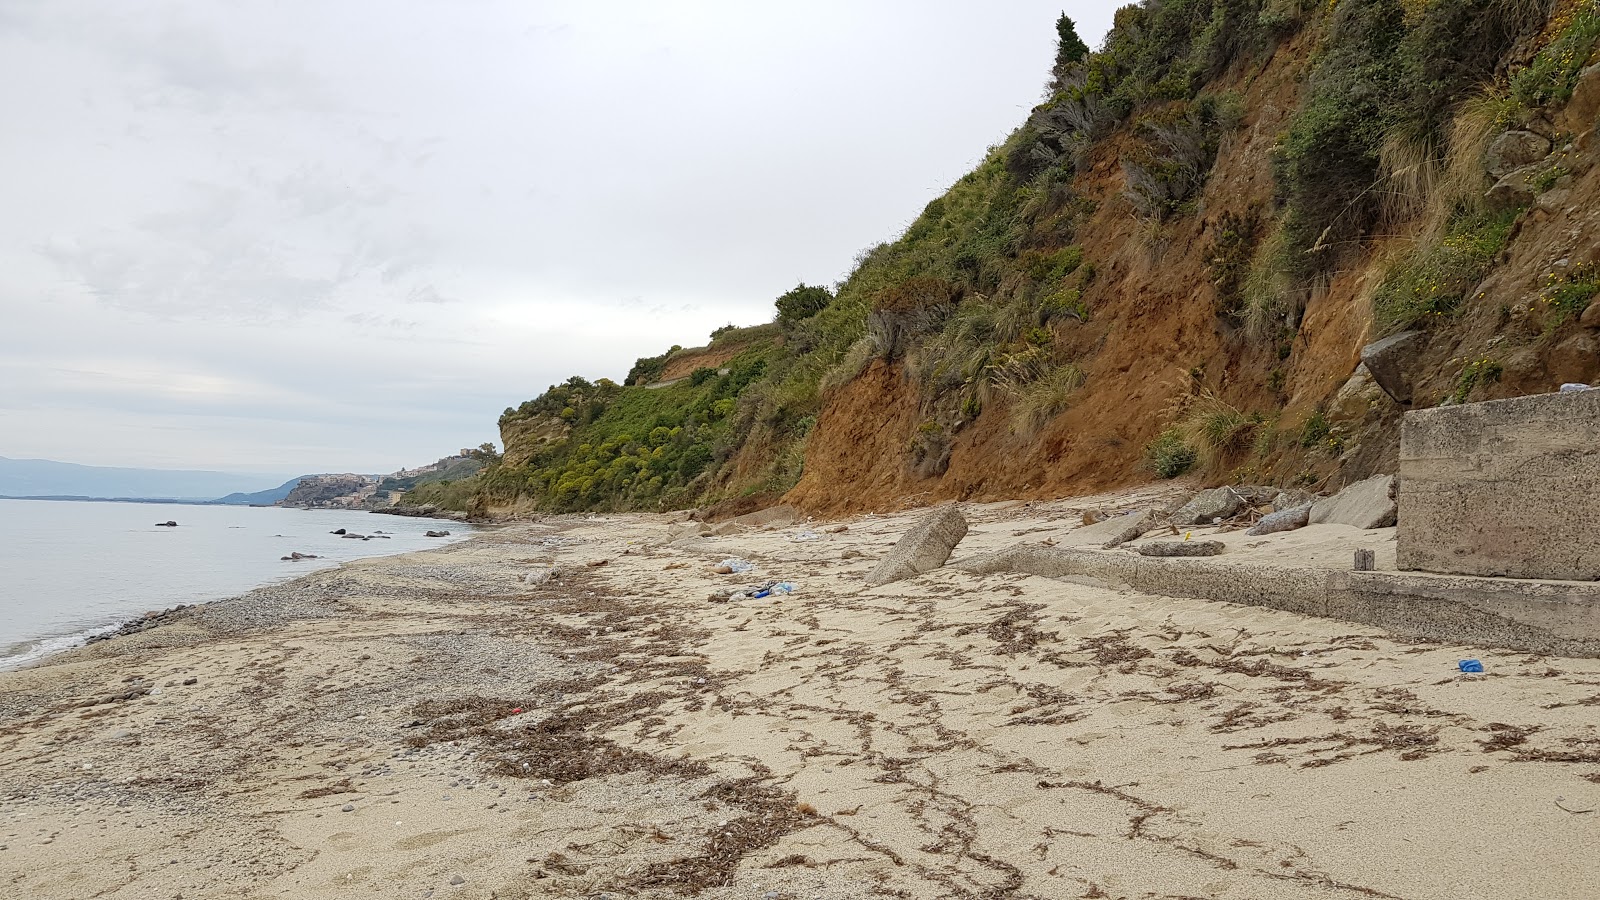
column 284, row 237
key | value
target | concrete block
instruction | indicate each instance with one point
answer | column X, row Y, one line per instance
column 1365, row 504
column 924, row 548
column 1115, row 530
column 1505, row 488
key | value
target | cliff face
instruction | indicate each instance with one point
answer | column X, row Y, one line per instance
column 1175, row 262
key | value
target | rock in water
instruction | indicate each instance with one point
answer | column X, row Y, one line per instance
column 924, row 548
column 1283, row 520
column 1202, row 508
column 1180, row 548
column 1365, row 504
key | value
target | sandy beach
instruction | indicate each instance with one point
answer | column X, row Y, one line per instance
column 432, row 725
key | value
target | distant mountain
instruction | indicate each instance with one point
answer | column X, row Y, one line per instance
column 260, row 498
column 48, row 478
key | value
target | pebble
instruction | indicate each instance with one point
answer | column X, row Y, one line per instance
column 348, row 807
column 457, row 879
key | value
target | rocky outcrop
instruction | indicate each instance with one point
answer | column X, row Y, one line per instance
column 923, row 549
column 1513, row 150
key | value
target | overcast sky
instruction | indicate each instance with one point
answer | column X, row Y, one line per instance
column 317, row 236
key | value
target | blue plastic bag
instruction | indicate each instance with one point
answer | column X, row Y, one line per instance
column 1470, row 665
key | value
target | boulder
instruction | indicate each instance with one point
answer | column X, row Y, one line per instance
column 1365, row 504
column 1584, row 106
column 1112, row 531
column 436, row 534
column 167, row 524
column 1390, row 362
column 924, row 548
column 1591, row 316
column 1180, row 548
column 1513, row 150
column 1206, row 506
column 1359, row 394
column 1282, row 520
column 337, row 531
column 1518, row 187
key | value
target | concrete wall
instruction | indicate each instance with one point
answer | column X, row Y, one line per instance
column 1561, row 619
column 1508, row 487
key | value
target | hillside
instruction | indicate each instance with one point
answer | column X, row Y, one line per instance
column 1174, row 264
column 49, row 478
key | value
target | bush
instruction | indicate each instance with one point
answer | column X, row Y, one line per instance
column 1169, row 455
column 1554, row 71
column 1567, row 296
column 802, row 302
column 1433, row 281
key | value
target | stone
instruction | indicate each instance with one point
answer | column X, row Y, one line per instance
column 1356, row 398
column 1591, row 316
column 727, row 528
column 1206, row 506
column 1283, row 520
column 1365, row 504
column 190, row 681
column 167, row 524
column 924, row 548
column 1180, row 548
column 457, row 879
column 436, row 534
column 1574, row 358
column 1502, row 488
column 1112, row 531
column 353, row 536
column 1390, row 363
column 348, row 807
column 1365, row 561
column 541, row 576
column 778, row 516
column 1513, row 150
column 337, row 531
column 1517, row 188
column 1584, row 106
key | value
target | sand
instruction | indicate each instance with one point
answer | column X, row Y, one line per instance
column 357, row 733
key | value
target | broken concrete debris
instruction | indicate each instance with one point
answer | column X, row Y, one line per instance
column 925, row 547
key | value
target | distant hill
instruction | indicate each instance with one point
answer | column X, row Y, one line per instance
column 260, row 498
column 48, row 478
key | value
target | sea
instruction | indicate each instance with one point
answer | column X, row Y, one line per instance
column 72, row 569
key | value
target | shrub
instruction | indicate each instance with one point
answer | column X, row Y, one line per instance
column 1554, row 71
column 1432, row 282
column 1169, row 455
column 1036, row 403
column 802, row 302
column 1233, row 242
column 1567, row 296
column 1216, row 429
column 702, row 375
column 1478, row 371
column 1315, row 430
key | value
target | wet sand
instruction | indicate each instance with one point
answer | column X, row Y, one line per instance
column 432, row 725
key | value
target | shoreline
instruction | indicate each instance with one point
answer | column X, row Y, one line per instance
column 32, row 650
column 432, row 722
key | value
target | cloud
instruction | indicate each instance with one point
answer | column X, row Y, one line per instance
column 346, row 236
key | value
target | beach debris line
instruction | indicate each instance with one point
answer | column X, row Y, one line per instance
column 926, row 547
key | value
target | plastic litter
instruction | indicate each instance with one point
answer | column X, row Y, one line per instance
column 1470, row 665
column 808, row 535
column 1575, row 388
column 736, row 566
column 780, row 587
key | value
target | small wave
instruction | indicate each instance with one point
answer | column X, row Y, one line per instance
column 19, row 655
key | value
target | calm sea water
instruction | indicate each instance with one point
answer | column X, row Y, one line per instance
column 69, row 570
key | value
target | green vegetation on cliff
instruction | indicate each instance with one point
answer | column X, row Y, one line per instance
column 991, row 296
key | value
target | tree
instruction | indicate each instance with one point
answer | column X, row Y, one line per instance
column 1069, row 47
column 485, row 452
column 802, row 303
